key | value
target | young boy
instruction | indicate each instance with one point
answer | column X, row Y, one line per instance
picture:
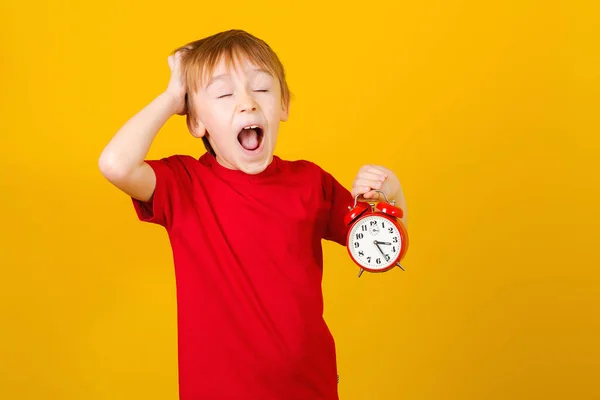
column 245, row 226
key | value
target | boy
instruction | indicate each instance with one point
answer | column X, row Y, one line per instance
column 245, row 226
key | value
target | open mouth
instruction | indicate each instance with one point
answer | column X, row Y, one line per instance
column 251, row 137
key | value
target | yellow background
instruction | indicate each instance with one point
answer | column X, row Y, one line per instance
column 488, row 113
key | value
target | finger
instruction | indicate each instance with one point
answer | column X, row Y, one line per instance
column 369, row 183
column 358, row 190
column 378, row 170
column 366, row 193
column 170, row 62
column 177, row 61
column 370, row 195
column 371, row 176
column 373, row 195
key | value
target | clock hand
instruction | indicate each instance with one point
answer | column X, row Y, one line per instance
column 384, row 255
column 388, row 243
column 379, row 248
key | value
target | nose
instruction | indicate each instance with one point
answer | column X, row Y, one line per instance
column 246, row 102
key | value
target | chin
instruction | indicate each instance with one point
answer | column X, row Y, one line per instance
column 257, row 160
column 253, row 169
column 255, row 164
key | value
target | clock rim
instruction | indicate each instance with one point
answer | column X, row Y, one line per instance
column 401, row 229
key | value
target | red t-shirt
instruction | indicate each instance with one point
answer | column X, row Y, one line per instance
column 248, row 266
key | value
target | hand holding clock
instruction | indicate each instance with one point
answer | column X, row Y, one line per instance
column 374, row 177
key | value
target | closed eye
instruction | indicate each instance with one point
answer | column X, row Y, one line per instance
column 262, row 90
column 225, row 95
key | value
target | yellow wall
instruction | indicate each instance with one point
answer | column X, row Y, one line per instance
column 488, row 113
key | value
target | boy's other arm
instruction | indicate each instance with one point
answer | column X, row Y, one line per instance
column 122, row 160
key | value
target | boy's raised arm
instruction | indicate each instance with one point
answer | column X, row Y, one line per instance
column 122, row 160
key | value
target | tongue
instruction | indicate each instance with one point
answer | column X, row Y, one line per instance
column 249, row 139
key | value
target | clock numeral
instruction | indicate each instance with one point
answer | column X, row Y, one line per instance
column 373, row 223
column 391, row 230
column 359, row 236
column 361, row 253
column 356, row 245
column 378, row 261
column 394, row 249
column 383, row 225
column 395, row 239
column 387, row 257
column 368, row 259
column 364, row 228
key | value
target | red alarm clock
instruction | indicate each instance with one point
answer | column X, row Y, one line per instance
column 377, row 239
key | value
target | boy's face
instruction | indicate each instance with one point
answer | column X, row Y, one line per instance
column 240, row 110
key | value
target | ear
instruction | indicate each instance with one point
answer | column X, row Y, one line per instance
column 285, row 111
column 195, row 126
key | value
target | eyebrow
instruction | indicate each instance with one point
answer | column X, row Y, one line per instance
column 225, row 75
column 214, row 79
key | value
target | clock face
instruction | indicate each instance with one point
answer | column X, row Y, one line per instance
column 375, row 242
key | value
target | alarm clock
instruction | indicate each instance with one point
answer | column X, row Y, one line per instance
column 377, row 239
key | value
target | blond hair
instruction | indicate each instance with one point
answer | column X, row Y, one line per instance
column 200, row 58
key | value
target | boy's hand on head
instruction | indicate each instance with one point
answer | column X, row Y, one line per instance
column 374, row 177
column 177, row 88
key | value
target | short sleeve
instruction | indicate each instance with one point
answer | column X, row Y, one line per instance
column 171, row 180
column 338, row 199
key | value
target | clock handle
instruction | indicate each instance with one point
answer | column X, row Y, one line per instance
column 379, row 191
